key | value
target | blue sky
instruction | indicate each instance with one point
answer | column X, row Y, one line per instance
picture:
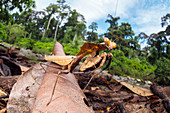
column 143, row 15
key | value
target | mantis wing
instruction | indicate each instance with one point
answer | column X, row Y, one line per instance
column 61, row 60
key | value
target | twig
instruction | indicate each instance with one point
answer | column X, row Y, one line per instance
column 121, row 108
column 157, row 74
column 5, row 46
column 4, row 96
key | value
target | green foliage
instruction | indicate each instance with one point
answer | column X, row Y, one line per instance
column 163, row 67
column 43, row 48
column 3, row 35
column 134, row 67
column 73, row 48
column 35, row 46
column 8, row 5
column 44, row 39
column 25, row 42
column 15, row 31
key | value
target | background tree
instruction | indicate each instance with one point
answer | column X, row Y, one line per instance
column 15, row 31
column 63, row 13
column 51, row 10
column 113, row 31
column 127, row 30
column 92, row 35
column 74, row 27
column 8, row 5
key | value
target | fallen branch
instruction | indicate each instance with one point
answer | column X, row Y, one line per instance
column 165, row 99
column 5, row 46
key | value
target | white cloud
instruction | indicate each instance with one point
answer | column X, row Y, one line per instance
column 143, row 15
column 42, row 4
column 94, row 10
column 148, row 20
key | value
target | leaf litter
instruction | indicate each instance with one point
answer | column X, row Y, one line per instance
column 103, row 94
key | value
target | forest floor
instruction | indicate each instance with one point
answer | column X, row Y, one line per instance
column 106, row 93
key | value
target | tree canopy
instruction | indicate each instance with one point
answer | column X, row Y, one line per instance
column 37, row 30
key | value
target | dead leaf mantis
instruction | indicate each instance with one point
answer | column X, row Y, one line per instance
column 94, row 60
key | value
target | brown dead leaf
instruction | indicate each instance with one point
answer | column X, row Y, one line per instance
column 2, row 93
column 24, row 68
column 136, row 108
column 23, row 93
column 3, row 110
column 63, row 89
column 115, row 88
column 61, row 60
column 137, row 90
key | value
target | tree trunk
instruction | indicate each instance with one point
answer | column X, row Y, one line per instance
column 49, row 21
column 56, row 30
column 30, row 35
column 74, row 37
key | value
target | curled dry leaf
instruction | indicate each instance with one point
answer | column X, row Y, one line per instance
column 2, row 93
column 23, row 93
column 13, row 67
column 138, row 90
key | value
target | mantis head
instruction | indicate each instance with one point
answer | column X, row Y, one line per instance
column 111, row 45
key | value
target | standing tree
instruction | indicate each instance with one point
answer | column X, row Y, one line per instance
column 63, row 12
column 114, row 32
column 127, row 30
column 51, row 10
column 74, row 27
column 92, row 36
column 8, row 5
column 113, row 21
column 33, row 22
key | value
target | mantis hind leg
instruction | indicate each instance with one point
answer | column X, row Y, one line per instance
column 105, row 58
column 55, row 84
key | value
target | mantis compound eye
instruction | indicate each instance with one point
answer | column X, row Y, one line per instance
column 113, row 45
column 110, row 44
column 106, row 41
